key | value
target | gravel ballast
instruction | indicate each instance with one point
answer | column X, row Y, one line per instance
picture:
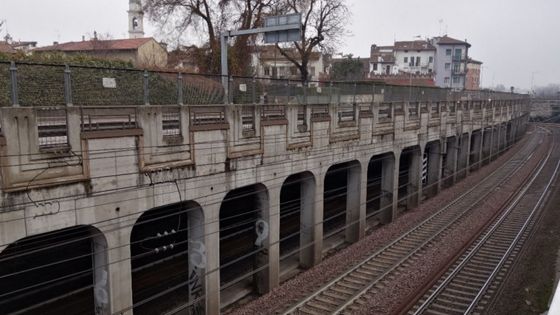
column 403, row 284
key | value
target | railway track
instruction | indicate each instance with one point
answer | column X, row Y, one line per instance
column 472, row 281
column 339, row 295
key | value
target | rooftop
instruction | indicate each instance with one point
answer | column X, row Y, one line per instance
column 96, row 44
column 417, row 45
column 6, row 48
column 446, row 40
column 382, row 54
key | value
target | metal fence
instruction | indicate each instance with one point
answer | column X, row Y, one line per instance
column 32, row 84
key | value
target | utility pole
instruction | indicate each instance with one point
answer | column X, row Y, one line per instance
column 277, row 29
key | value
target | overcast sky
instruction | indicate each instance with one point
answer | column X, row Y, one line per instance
column 516, row 39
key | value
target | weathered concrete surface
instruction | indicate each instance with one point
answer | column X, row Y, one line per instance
column 107, row 178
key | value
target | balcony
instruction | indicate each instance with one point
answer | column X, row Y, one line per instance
column 459, row 58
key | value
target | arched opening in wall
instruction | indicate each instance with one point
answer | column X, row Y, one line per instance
column 475, row 150
column 449, row 162
column 243, row 243
column 487, row 145
column 431, row 169
column 341, row 204
column 463, row 156
column 495, row 143
column 503, row 137
column 168, row 258
column 60, row 272
column 509, row 134
column 297, row 205
column 380, row 180
column 410, row 173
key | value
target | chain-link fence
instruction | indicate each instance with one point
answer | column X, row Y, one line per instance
column 55, row 85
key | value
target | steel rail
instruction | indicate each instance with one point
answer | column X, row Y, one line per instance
column 483, row 240
column 450, row 221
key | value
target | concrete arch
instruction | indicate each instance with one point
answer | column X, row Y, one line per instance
column 70, row 262
column 432, row 168
column 463, row 155
column 380, row 187
column 297, row 221
column 167, row 251
column 410, row 177
column 245, row 223
column 341, row 204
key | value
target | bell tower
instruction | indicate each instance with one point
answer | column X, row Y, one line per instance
column 135, row 19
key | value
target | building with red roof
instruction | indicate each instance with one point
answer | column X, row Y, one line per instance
column 142, row 52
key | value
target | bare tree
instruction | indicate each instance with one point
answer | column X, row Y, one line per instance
column 190, row 15
column 210, row 17
column 250, row 15
column 324, row 25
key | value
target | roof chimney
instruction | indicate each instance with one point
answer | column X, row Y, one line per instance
column 95, row 35
column 83, row 38
column 55, row 43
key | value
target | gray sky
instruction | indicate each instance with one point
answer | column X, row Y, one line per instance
column 514, row 38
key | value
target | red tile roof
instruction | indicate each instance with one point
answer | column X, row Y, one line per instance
column 414, row 45
column 116, row 44
column 446, row 40
column 7, row 48
column 382, row 54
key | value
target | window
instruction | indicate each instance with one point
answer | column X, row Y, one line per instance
column 456, row 67
column 267, row 71
column 312, row 71
column 374, row 67
column 431, row 59
column 388, row 70
column 455, row 79
column 429, row 70
column 417, row 61
column 446, row 80
column 293, row 70
column 448, row 52
column 447, row 66
column 458, row 52
column 405, row 59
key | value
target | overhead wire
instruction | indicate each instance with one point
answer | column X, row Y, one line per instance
column 133, row 215
column 366, row 201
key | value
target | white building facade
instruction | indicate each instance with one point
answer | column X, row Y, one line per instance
column 270, row 63
column 417, row 57
column 382, row 60
column 451, row 62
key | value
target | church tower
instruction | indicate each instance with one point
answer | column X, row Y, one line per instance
column 135, row 19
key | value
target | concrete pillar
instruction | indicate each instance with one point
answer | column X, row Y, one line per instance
column 433, row 181
column 414, row 189
column 353, row 203
column 120, row 273
column 197, row 257
column 101, row 275
column 212, row 241
column 463, row 156
column 318, row 217
column 495, row 142
column 307, row 224
column 389, row 189
column 486, row 145
column 476, row 150
column 269, row 257
column 363, row 199
column 504, row 136
column 449, row 173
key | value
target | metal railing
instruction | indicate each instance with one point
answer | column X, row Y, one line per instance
column 34, row 84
